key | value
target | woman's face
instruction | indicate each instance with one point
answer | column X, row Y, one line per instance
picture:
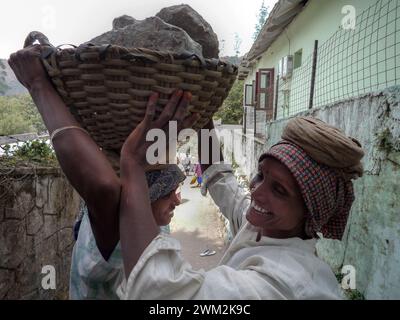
column 277, row 206
column 163, row 208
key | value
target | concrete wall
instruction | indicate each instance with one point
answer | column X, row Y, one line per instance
column 37, row 212
column 371, row 242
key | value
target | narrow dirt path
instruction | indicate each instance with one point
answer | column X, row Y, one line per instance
column 197, row 226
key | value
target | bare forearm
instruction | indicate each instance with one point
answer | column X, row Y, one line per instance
column 85, row 166
column 79, row 156
column 50, row 105
column 137, row 225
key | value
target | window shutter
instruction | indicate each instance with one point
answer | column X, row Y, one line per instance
column 265, row 90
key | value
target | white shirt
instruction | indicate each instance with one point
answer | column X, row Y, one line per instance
column 267, row 269
column 92, row 277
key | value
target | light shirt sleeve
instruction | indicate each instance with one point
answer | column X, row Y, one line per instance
column 163, row 274
column 255, row 272
column 92, row 277
column 227, row 194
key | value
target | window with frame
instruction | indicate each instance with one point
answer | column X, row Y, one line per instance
column 297, row 59
column 254, row 95
column 265, row 91
column 248, row 95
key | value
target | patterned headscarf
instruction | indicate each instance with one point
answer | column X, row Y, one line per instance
column 327, row 195
column 162, row 182
column 323, row 160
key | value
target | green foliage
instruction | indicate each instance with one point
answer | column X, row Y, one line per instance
column 261, row 17
column 18, row 114
column 35, row 151
column 3, row 85
column 350, row 294
column 339, row 277
column 354, row 295
column 231, row 111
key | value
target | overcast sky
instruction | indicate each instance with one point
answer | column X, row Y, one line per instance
column 77, row 21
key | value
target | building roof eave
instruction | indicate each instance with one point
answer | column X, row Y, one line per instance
column 281, row 16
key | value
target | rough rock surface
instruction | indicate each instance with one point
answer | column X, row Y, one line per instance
column 151, row 33
column 123, row 21
column 193, row 23
column 37, row 213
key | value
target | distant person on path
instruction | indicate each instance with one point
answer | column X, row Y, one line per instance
column 187, row 164
column 198, row 173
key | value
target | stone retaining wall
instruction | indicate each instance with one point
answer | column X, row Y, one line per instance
column 37, row 211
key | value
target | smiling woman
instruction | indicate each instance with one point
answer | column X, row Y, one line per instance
column 277, row 206
column 303, row 188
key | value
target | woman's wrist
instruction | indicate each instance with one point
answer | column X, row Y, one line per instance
column 41, row 85
column 129, row 164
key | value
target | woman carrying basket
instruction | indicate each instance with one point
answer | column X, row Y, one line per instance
column 96, row 262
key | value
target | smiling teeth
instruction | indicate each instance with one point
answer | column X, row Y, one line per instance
column 258, row 208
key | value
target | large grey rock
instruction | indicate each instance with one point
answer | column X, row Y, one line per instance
column 193, row 23
column 123, row 21
column 151, row 33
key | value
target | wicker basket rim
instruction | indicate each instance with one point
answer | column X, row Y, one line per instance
column 105, row 52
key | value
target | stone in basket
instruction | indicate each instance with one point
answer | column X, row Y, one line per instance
column 106, row 87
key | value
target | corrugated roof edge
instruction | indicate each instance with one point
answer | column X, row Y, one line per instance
column 281, row 16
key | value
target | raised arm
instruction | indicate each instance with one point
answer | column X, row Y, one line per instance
column 220, row 181
column 85, row 166
column 137, row 225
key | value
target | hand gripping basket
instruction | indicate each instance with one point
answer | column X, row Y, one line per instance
column 106, row 88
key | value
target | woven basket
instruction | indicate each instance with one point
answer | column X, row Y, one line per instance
column 106, row 88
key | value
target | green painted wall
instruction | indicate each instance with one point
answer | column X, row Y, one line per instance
column 369, row 52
